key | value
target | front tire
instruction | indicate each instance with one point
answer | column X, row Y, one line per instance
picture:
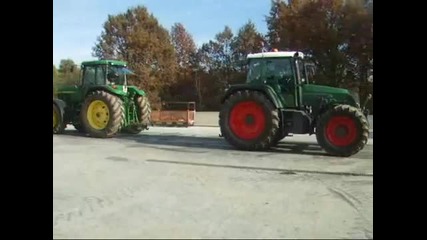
column 102, row 114
column 342, row 131
column 249, row 121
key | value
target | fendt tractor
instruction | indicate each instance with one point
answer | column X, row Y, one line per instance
column 278, row 100
column 103, row 104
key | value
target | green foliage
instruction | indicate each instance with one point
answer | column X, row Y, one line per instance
column 185, row 88
column 169, row 66
column 137, row 38
column 67, row 74
column 338, row 37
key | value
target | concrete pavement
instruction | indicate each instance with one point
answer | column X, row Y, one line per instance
column 189, row 183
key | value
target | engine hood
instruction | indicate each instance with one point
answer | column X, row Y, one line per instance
column 312, row 94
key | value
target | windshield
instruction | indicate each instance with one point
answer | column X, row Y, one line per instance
column 269, row 68
column 255, row 70
column 309, row 71
column 117, row 75
column 279, row 68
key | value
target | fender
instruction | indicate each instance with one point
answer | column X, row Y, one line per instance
column 119, row 91
column 136, row 91
column 265, row 89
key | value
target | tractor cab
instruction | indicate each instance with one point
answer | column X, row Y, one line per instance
column 283, row 71
column 105, row 72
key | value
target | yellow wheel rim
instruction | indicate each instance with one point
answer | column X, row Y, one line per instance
column 98, row 115
column 55, row 118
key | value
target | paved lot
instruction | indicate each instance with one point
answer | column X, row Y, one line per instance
column 189, row 183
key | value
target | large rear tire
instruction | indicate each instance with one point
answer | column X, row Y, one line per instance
column 58, row 125
column 144, row 115
column 102, row 114
column 249, row 121
column 342, row 131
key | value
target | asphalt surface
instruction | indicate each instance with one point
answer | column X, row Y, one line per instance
column 189, row 183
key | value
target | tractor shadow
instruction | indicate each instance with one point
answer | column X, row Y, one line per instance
column 74, row 133
column 217, row 143
column 198, row 144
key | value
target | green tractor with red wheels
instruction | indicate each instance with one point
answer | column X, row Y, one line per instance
column 278, row 100
column 103, row 104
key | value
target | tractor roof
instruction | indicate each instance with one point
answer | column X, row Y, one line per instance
column 104, row 62
column 275, row 54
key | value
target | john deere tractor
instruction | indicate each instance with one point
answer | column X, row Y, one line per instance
column 58, row 114
column 103, row 104
column 278, row 100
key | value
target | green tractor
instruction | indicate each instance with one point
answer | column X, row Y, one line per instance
column 103, row 104
column 278, row 100
column 58, row 114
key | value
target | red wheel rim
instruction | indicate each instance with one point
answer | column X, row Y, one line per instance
column 247, row 120
column 341, row 131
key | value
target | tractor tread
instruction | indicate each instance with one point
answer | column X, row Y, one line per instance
column 361, row 123
column 115, row 105
column 60, row 127
column 267, row 139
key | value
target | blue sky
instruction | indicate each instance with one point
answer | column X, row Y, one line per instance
column 77, row 23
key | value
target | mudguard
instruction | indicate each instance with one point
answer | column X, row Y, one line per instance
column 136, row 90
column 265, row 89
column 119, row 90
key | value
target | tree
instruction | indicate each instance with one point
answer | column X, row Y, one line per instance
column 217, row 67
column 137, row 38
column 222, row 55
column 336, row 35
column 184, row 89
column 68, row 73
column 219, row 62
column 55, row 73
column 184, row 45
column 66, row 66
column 273, row 23
column 248, row 40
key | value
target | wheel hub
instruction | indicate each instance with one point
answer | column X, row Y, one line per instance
column 250, row 119
column 247, row 120
column 341, row 131
column 98, row 115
